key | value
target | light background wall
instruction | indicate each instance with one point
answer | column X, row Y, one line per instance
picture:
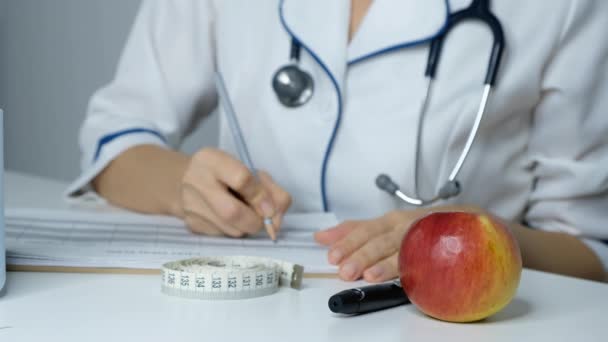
column 53, row 55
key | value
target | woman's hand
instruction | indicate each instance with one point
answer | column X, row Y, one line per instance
column 370, row 248
column 220, row 196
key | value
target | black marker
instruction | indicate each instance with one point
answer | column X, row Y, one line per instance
column 368, row 298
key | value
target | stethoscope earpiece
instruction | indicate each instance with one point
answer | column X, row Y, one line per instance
column 450, row 189
column 293, row 86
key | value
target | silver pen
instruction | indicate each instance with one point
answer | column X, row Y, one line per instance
column 239, row 141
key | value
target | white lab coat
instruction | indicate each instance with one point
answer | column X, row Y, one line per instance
column 541, row 155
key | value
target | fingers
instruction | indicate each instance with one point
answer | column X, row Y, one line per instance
column 280, row 197
column 237, row 177
column 384, row 270
column 359, row 233
column 367, row 248
column 199, row 224
column 202, row 219
column 332, row 235
column 369, row 255
column 220, row 195
column 229, row 212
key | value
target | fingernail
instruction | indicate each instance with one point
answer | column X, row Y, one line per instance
column 349, row 271
column 267, row 208
column 375, row 272
column 335, row 256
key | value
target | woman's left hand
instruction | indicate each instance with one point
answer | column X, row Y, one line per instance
column 370, row 248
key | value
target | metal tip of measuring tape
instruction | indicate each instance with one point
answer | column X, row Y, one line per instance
column 296, row 277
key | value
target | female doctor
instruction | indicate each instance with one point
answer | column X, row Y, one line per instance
column 539, row 159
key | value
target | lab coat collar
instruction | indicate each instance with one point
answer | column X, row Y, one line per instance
column 321, row 27
column 389, row 25
column 396, row 24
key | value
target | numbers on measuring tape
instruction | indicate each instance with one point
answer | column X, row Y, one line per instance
column 185, row 280
column 216, row 283
column 223, row 279
column 171, row 279
column 247, row 281
column 199, row 282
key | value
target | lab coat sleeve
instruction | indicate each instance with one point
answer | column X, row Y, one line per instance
column 162, row 87
column 569, row 141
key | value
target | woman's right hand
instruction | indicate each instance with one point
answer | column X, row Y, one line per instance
column 220, row 196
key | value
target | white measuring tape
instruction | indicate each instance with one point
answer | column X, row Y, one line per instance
column 234, row 277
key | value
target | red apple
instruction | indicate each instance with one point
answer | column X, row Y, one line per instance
column 458, row 266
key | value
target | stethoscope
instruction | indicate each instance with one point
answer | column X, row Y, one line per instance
column 294, row 87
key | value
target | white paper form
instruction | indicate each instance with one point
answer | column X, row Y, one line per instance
column 119, row 239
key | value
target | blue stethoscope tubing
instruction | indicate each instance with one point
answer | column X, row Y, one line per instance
column 479, row 10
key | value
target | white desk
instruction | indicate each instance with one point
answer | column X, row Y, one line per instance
column 95, row 307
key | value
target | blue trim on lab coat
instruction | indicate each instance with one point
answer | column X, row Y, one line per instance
column 112, row 136
column 317, row 59
column 339, row 95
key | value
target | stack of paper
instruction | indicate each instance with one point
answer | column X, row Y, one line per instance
column 40, row 237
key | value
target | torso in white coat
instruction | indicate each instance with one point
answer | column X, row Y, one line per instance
column 541, row 148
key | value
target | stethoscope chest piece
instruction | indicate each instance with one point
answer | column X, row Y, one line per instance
column 293, row 86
